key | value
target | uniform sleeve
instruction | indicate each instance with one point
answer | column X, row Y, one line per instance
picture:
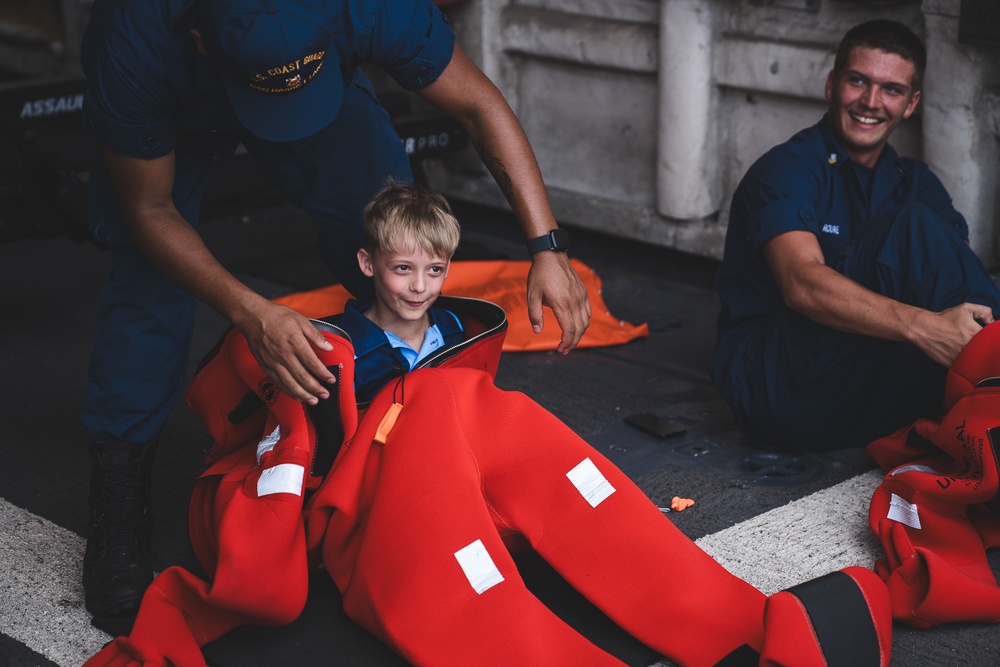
column 128, row 102
column 933, row 195
column 411, row 41
column 776, row 196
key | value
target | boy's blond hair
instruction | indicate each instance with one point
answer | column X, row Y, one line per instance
column 401, row 214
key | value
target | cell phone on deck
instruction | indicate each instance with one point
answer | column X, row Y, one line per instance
column 658, row 427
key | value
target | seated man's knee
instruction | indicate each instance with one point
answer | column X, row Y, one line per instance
column 916, row 223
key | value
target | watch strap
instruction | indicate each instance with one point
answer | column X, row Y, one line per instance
column 557, row 240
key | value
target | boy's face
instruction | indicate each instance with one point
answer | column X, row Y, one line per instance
column 407, row 282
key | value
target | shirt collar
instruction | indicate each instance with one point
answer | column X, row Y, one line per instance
column 445, row 320
column 837, row 156
column 433, row 340
column 367, row 336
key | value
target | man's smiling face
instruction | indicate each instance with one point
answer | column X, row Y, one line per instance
column 868, row 98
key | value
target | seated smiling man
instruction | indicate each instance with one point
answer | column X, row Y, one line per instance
column 847, row 284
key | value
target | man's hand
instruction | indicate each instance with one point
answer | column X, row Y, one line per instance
column 283, row 342
column 553, row 282
column 463, row 92
column 815, row 290
column 941, row 336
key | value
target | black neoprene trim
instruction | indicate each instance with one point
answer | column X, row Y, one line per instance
column 744, row 656
column 994, row 502
column 329, row 425
column 248, row 405
column 841, row 619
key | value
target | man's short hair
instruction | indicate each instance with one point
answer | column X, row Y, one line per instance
column 400, row 215
column 889, row 36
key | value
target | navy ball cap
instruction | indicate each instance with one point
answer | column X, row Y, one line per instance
column 282, row 79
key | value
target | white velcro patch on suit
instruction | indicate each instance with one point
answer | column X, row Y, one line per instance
column 591, row 484
column 479, row 568
column 282, row 478
column 268, row 443
column 904, row 512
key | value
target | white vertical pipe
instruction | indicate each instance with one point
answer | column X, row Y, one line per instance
column 687, row 164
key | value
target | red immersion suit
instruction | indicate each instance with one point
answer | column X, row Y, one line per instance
column 936, row 510
column 414, row 519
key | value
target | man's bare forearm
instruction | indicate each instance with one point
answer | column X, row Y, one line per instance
column 179, row 252
column 827, row 297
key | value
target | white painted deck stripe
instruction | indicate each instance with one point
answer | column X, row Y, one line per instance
column 805, row 539
column 40, row 569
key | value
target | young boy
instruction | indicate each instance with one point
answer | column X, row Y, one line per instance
column 410, row 237
column 432, row 489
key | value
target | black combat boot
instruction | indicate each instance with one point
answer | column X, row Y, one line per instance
column 115, row 571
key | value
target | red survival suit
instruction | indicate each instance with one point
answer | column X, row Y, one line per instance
column 936, row 510
column 414, row 519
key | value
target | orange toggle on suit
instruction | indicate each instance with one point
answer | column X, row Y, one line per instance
column 413, row 510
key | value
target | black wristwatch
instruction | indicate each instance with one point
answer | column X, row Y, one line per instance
column 557, row 240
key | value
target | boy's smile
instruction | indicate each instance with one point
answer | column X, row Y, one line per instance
column 407, row 282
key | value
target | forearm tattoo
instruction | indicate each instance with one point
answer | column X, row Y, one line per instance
column 495, row 167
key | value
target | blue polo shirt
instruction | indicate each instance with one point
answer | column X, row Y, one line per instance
column 807, row 184
column 148, row 87
column 380, row 356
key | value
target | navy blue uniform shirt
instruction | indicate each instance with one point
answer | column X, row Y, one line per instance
column 376, row 360
column 148, row 86
column 808, row 184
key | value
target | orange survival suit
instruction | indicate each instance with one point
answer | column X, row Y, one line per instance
column 936, row 509
column 413, row 508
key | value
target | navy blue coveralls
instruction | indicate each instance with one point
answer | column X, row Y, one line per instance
column 149, row 93
column 796, row 384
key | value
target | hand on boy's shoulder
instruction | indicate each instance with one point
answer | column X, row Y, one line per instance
column 553, row 282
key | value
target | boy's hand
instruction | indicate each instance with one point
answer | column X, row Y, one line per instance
column 283, row 343
column 553, row 282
